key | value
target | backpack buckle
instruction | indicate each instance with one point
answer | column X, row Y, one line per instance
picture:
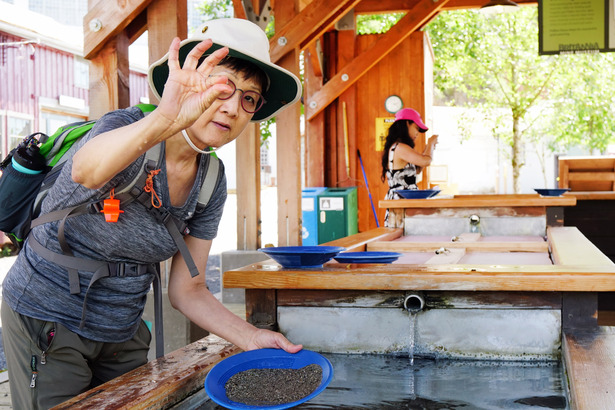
column 161, row 215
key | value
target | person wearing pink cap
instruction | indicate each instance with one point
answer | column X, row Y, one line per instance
column 401, row 163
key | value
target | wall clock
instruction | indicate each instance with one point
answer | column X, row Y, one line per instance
column 393, row 103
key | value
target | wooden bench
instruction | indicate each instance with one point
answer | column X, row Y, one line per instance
column 587, row 173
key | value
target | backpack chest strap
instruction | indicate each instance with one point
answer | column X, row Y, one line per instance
column 100, row 269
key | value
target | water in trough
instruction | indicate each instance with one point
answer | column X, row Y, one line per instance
column 379, row 382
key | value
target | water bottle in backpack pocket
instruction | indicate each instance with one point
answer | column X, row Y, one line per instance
column 23, row 170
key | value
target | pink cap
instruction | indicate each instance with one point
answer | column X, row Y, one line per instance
column 412, row 115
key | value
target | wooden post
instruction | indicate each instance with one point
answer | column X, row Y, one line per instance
column 315, row 128
column 109, row 74
column 289, row 148
column 346, row 135
column 247, row 150
column 165, row 20
column 555, row 215
column 261, row 308
column 563, row 181
column 579, row 310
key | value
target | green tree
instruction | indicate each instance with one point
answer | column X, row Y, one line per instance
column 583, row 114
column 215, row 9
column 552, row 102
column 492, row 63
column 376, row 23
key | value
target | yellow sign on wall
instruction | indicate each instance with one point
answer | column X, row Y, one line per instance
column 382, row 129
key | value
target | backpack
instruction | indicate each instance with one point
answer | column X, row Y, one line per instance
column 31, row 169
column 22, row 192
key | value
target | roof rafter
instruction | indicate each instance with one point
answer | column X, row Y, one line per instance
column 420, row 14
column 112, row 17
column 401, row 6
column 309, row 25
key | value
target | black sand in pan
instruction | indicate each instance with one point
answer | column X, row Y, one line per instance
column 266, row 387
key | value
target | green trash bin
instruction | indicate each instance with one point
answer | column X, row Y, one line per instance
column 337, row 213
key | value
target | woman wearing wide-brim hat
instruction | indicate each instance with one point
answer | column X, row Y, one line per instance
column 401, row 163
column 60, row 343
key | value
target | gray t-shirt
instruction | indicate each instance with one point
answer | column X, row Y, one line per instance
column 38, row 288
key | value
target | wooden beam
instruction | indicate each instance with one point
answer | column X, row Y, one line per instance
column 359, row 242
column 111, row 18
column 474, row 4
column 481, row 201
column 288, row 144
column 247, row 148
column 165, row 21
column 401, row 6
column 314, row 54
column 504, row 246
column 258, row 6
column 384, row 6
column 261, row 308
column 308, row 25
column 346, row 77
column 570, row 247
column 315, row 129
column 137, row 27
column 535, row 278
column 109, row 77
column 239, row 10
column 346, row 116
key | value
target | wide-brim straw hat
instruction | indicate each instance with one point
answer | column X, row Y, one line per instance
column 246, row 41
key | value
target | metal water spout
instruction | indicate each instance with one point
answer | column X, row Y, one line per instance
column 414, row 303
column 474, row 223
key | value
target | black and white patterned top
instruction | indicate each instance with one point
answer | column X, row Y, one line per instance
column 404, row 178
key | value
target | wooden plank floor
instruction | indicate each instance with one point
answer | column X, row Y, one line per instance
column 589, row 357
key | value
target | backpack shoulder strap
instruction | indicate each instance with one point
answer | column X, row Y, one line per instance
column 209, row 183
column 153, row 158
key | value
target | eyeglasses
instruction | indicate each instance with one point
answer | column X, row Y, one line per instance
column 251, row 101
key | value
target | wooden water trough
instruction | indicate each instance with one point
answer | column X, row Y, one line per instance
column 539, row 290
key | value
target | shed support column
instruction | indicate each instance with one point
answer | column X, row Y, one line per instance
column 165, row 21
column 248, row 188
column 109, row 74
column 289, row 148
column 579, row 310
column 315, row 128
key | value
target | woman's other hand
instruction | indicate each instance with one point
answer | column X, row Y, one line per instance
column 433, row 140
column 189, row 90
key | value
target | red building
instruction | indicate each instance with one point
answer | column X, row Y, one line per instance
column 44, row 81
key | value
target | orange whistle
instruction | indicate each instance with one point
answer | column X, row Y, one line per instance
column 111, row 209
